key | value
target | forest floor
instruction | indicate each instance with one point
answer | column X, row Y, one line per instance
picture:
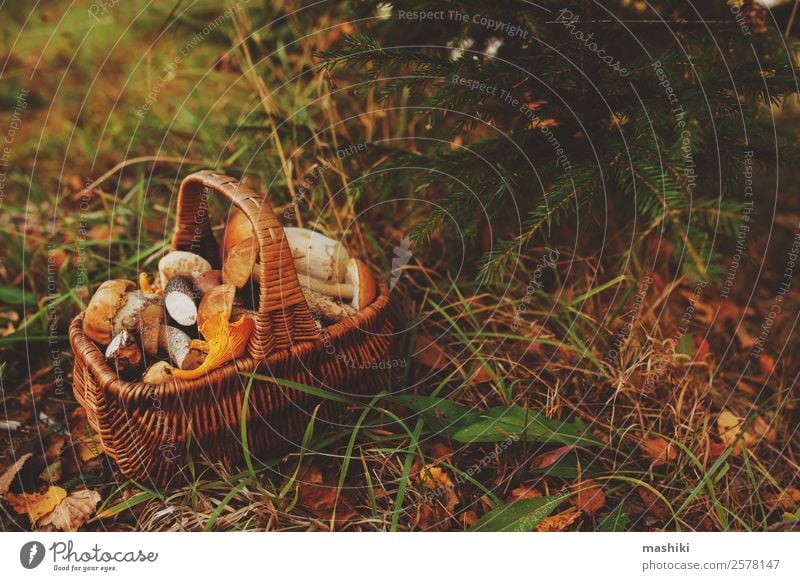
column 574, row 396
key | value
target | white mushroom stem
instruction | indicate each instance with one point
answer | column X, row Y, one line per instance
column 124, row 352
column 317, row 255
column 179, row 347
column 332, row 289
column 325, row 306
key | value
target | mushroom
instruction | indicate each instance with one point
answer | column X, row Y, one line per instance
column 97, row 322
column 325, row 306
column 239, row 262
column 180, row 296
column 332, row 289
column 178, row 346
column 238, row 229
column 217, row 300
column 359, row 275
column 158, row 372
column 314, row 254
column 141, row 312
column 124, row 353
column 146, row 284
column 317, row 255
column 224, row 341
column 207, row 281
column 181, row 263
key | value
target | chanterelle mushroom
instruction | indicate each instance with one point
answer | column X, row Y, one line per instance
column 224, row 341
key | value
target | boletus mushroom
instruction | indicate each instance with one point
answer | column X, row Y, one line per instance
column 181, row 263
column 140, row 312
column 103, row 307
column 219, row 299
column 123, row 353
column 314, row 254
column 180, row 300
column 178, row 345
column 158, row 372
column 364, row 289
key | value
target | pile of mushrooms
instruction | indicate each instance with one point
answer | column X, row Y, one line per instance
column 334, row 284
column 193, row 318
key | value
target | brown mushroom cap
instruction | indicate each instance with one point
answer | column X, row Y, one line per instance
column 239, row 262
column 360, row 276
column 218, row 300
column 103, row 307
column 237, row 229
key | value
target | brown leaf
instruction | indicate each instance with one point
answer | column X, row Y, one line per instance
column 550, row 458
column 658, row 450
column 468, row 518
column 480, row 375
column 8, row 476
column 36, row 505
column 523, row 492
column 560, row 521
column 429, row 353
column 440, row 450
column 652, row 504
column 72, row 512
column 766, row 363
column 728, row 427
column 320, row 498
column 589, row 498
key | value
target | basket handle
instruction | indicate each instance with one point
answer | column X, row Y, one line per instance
column 283, row 317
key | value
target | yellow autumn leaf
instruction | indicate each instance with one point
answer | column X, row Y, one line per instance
column 89, row 446
column 436, row 479
column 72, row 512
column 37, row 505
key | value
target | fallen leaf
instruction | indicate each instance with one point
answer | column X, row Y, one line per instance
column 436, row 479
column 523, row 492
column 469, row 518
column 480, row 375
column 761, row 429
column 550, row 458
column 658, row 450
column 589, row 498
column 36, row 505
column 766, row 363
column 8, row 476
column 560, row 521
column 429, row 353
column 72, row 512
column 728, row 427
column 89, row 447
column 320, row 498
column 652, row 504
column 440, row 450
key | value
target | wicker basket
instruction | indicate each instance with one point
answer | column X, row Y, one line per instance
column 146, row 429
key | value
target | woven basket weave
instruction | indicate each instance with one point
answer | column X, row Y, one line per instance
column 145, row 427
